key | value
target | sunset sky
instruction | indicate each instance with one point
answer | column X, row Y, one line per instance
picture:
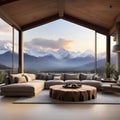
column 56, row 35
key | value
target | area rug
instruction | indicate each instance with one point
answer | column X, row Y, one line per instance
column 43, row 98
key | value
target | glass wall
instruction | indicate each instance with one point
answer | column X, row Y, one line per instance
column 59, row 46
column 8, row 60
column 101, row 53
column 113, row 54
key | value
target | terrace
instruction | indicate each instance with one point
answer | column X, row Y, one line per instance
column 99, row 15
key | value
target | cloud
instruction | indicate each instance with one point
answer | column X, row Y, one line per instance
column 48, row 43
column 4, row 27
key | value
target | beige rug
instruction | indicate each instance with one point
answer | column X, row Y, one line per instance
column 43, row 98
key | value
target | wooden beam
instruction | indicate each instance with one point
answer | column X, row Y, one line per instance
column 40, row 22
column 97, row 28
column 4, row 2
column 61, row 7
column 9, row 20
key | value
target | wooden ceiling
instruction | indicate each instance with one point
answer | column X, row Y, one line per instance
column 99, row 15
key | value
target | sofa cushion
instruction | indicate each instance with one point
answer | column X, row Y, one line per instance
column 23, row 89
column 83, row 76
column 53, row 82
column 94, row 83
column 90, row 76
column 68, row 76
column 42, row 76
column 50, row 76
column 72, row 81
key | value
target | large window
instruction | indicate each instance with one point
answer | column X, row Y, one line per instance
column 101, row 53
column 8, row 54
column 113, row 54
column 59, row 46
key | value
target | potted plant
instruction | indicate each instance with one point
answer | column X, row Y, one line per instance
column 110, row 72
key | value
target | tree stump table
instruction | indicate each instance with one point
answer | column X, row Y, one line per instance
column 85, row 92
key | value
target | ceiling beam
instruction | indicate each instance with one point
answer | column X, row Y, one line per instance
column 86, row 24
column 40, row 22
column 4, row 2
column 61, row 7
column 9, row 20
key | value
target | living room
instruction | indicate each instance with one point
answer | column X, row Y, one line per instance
column 61, row 59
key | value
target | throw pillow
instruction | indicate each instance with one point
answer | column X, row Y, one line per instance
column 57, row 77
column 33, row 76
column 13, row 76
column 27, row 77
column 89, row 76
column 21, row 79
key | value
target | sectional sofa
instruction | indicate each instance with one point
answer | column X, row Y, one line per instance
column 26, row 84
column 77, row 78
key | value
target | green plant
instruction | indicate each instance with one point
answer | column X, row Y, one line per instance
column 110, row 72
column 2, row 76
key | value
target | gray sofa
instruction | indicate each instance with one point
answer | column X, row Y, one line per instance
column 62, row 78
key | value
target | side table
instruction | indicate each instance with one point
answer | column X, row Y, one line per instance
column 108, row 80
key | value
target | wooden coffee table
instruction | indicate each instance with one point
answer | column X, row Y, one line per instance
column 85, row 92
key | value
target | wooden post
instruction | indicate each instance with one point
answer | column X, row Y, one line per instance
column 108, row 52
column 21, row 53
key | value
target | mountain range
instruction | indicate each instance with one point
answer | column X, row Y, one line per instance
column 61, row 60
column 50, row 60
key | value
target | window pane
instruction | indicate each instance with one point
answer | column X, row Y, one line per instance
column 101, row 53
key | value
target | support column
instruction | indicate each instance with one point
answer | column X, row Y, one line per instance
column 118, row 43
column 108, row 48
column 21, row 53
column 108, row 53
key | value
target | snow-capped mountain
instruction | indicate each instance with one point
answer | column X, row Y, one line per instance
column 5, row 46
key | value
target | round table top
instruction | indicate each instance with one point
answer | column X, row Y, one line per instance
column 82, row 88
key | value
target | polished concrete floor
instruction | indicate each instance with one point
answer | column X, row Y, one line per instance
column 10, row 111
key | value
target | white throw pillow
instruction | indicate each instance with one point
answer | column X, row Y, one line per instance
column 57, row 77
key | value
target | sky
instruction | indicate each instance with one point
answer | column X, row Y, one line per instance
column 55, row 35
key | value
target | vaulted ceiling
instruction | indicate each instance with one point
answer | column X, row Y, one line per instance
column 99, row 15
